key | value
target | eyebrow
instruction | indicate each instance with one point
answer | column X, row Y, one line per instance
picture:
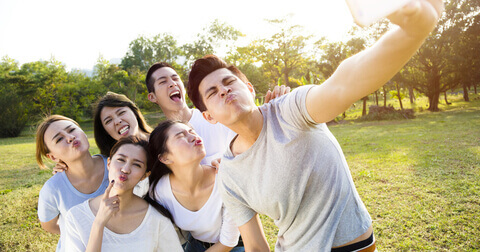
column 224, row 82
column 164, row 77
column 56, row 135
column 137, row 160
column 116, row 111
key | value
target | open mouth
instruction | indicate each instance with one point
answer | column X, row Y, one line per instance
column 175, row 96
column 124, row 130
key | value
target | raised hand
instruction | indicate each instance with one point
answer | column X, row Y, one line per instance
column 108, row 206
column 419, row 17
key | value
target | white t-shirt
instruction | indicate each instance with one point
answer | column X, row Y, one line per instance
column 209, row 224
column 58, row 195
column 216, row 137
column 155, row 233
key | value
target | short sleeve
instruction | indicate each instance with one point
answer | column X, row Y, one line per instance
column 238, row 209
column 169, row 237
column 229, row 232
column 47, row 204
column 292, row 108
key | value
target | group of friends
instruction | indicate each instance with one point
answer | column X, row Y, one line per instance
column 200, row 179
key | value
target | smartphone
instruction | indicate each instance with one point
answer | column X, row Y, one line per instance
column 367, row 12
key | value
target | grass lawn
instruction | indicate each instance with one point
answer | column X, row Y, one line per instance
column 419, row 179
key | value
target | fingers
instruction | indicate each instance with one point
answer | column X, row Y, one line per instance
column 216, row 164
column 60, row 167
column 107, row 191
column 268, row 96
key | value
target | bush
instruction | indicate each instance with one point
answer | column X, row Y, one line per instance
column 376, row 113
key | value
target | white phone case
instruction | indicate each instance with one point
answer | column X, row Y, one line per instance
column 366, row 12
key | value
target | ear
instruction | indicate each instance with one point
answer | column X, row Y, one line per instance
column 164, row 159
column 108, row 163
column 209, row 117
column 251, row 88
column 152, row 97
column 53, row 158
column 145, row 175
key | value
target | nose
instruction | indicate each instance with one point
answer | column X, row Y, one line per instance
column 126, row 169
column 172, row 83
column 118, row 120
column 225, row 90
column 70, row 138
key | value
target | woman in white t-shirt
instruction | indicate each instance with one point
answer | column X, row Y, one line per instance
column 188, row 189
column 119, row 220
column 62, row 140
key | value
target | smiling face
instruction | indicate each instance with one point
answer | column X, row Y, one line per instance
column 169, row 92
column 65, row 141
column 127, row 166
column 119, row 122
column 184, row 146
column 226, row 97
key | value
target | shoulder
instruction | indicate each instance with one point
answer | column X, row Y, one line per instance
column 53, row 183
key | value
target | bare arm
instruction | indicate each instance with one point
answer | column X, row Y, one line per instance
column 51, row 226
column 218, row 247
column 252, row 234
column 367, row 71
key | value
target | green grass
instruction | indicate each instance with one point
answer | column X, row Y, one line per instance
column 419, row 179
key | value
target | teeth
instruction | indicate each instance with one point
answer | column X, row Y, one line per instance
column 175, row 93
column 123, row 130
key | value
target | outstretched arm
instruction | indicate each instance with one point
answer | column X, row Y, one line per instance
column 368, row 70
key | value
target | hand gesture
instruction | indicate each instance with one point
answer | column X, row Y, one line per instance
column 419, row 17
column 108, row 206
column 277, row 92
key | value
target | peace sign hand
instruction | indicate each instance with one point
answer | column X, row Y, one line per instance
column 108, row 206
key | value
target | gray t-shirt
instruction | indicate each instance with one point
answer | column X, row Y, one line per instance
column 296, row 174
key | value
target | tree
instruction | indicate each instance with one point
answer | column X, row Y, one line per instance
column 282, row 53
column 144, row 52
column 14, row 115
column 216, row 37
column 437, row 67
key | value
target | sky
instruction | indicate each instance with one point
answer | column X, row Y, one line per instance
column 77, row 33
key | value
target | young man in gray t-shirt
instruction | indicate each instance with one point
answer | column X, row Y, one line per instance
column 284, row 162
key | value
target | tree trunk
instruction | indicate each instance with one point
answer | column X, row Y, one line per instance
column 398, row 95
column 475, row 88
column 384, row 97
column 376, row 97
column 446, row 101
column 364, row 109
column 465, row 92
column 433, row 102
column 411, row 94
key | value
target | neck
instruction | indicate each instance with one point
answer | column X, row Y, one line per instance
column 188, row 178
column 182, row 115
column 82, row 167
column 248, row 127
